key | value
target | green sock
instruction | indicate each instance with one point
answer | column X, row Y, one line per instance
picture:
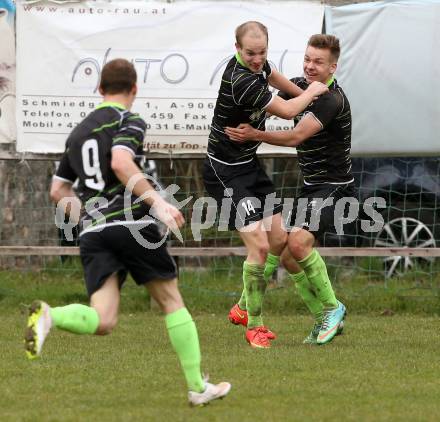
column 305, row 290
column 253, row 278
column 183, row 335
column 75, row 318
column 272, row 262
column 242, row 301
column 316, row 272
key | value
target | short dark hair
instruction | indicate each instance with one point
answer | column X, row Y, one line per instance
column 118, row 76
column 326, row 42
column 248, row 26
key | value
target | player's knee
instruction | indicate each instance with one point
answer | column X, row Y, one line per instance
column 261, row 251
column 298, row 246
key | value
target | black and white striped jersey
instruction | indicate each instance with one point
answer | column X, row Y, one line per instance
column 87, row 160
column 242, row 98
column 325, row 157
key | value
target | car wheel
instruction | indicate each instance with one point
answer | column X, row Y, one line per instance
column 404, row 232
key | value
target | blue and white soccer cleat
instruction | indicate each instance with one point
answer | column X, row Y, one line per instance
column 312, row 337
column 331, row 323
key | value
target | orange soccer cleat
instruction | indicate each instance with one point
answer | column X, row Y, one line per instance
column 238, row 316
column 257, row 337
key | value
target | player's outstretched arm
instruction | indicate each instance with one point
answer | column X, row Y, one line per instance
column 130, row 176
column 279, row 81
column 306, row 128
column 289, row 109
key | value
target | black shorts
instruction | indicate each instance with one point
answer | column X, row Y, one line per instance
column 115, row 249
column 244, row 193
column 322, row 209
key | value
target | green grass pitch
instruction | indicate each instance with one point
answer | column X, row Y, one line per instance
column 383, row 368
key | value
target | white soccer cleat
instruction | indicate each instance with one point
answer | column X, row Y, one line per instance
column 38, row 327
column 212, row 392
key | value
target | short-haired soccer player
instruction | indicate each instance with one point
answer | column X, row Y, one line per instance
column 102, row 154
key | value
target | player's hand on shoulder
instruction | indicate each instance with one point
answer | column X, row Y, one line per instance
column 242, row 133
column 317, row 88
column 168, row 214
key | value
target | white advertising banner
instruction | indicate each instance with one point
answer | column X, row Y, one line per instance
column 179, row 50
column 389, row 69
column 7, row 72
